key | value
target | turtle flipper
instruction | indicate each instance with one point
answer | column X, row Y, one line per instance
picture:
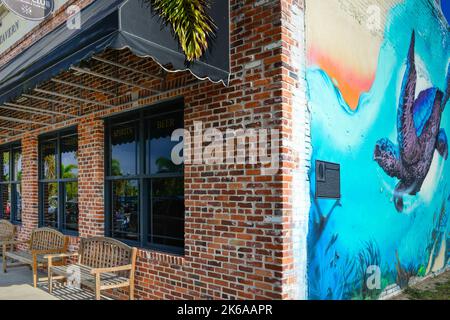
column 399, row 192
column 432, row 125
column 386, row 155
column 407, row 137
column 442, row 144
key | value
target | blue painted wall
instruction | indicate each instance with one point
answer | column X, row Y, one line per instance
column 367, row 227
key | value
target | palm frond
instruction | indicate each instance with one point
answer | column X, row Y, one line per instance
column 190, row 23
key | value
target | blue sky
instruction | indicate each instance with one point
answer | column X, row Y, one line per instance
column 446, row 8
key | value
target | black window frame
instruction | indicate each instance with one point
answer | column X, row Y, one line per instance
column 11, row 148
column 143, row 176
column 56, row 136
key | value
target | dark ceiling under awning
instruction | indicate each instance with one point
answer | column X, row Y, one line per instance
column 114, row 24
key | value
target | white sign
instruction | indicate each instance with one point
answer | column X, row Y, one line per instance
column 34, row 10
column 14, row 27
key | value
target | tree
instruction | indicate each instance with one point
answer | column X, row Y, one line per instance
column 190, row 23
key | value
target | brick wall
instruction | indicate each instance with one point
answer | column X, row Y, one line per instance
column 239, row 238
column 91, row 177
column 29, row 186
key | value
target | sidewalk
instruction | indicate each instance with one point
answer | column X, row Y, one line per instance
column 436, row 288
column 17, row 285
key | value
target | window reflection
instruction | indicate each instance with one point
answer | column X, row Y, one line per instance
column 5, row 172
column 125, row 205
column 50, row 205
column 59, row 184
column 69, row 157
column 48, row 151
column 124, row 150
column 167, row 224
column 10, row 188
column 71, row 206
column 5, row 190
column 161, row 146
column 17, row 165
column 17, row 189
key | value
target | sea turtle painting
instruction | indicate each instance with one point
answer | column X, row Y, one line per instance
column 419, row 134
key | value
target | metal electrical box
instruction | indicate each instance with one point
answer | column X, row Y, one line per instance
column 328, row 180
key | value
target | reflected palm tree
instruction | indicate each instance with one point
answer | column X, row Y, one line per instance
column 5, row 166
column 68, row 172
column 50, row 166
column 115, row 168
column 166, row 165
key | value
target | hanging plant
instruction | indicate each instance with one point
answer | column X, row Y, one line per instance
column 190, row 23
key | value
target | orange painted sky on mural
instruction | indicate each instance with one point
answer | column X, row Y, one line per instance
column 348, row 80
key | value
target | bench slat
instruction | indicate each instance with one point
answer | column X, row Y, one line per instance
column 88, row 279
column 101, row 253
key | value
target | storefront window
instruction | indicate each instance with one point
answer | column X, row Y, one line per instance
column 5, row 158
column 125, row 208
column 59, row 181
column 124, row 149
column 167, row 222
column 70, row 200
column 161, row 146
column 10, row 183
column 145, row 199
column 50, row 204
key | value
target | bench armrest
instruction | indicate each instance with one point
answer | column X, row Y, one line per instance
column 127, row 267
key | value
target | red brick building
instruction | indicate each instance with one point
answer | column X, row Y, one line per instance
column 83, row 151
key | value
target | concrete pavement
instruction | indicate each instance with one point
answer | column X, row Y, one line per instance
column 17, row 284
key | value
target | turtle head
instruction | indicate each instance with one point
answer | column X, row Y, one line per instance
column 386, row 155
column 442, row 144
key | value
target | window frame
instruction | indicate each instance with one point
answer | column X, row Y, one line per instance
column 56, row 136
column 11, row 148
column 143, row 176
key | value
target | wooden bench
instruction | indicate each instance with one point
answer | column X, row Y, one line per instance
column 7, row 231
column 43, row 241
column 103, row 264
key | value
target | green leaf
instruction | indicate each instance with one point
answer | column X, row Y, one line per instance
column 190, row 23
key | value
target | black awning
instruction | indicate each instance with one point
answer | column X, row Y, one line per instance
column 116, row 24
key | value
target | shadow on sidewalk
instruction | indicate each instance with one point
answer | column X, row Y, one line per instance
column 17, row 284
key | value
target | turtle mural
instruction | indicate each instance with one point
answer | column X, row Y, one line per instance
column 419, row 134
column 392, row 85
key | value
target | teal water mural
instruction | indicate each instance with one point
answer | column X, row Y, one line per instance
column 393, row 213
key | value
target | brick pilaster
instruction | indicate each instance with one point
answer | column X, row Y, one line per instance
column 29, row 186
column 91, row 177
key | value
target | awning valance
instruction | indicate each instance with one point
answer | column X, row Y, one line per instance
column 116, row 24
